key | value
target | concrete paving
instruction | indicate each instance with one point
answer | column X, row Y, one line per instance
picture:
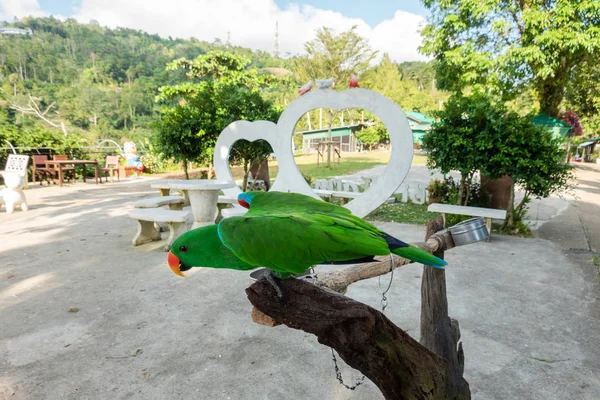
column 141, row 332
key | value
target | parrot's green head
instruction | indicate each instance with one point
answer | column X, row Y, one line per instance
column 202, row 247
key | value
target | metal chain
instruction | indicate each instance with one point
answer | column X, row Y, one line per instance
column 338, row 375
column 384, row 303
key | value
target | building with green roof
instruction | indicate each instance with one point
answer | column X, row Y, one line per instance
column 556, row 126
column 419, row 124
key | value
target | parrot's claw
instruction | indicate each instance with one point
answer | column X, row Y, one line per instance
column 270, row 277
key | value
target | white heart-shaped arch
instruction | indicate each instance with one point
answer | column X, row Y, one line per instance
column 280, row 137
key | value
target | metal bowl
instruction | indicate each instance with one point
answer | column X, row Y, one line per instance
column 469, row 231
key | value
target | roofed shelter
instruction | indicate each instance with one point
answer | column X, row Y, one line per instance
column 558, row 128
column 342, row 136
column 419, row 124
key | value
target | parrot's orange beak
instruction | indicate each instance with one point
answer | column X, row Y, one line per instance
column 175, row 264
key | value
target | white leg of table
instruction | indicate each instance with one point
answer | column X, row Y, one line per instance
column 204, row 206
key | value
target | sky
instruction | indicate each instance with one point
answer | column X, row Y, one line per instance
column 391, row 26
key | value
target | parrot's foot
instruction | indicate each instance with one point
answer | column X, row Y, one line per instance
column 270, row 277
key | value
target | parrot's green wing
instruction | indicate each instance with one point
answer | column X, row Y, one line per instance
column 285, row 204
column 270, row 202
column 293, row 242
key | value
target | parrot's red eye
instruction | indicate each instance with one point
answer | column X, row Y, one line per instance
column 183, row 249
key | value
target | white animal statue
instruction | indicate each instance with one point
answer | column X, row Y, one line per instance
column 13, row 194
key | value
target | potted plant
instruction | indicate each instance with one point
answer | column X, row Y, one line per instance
column 437, row 190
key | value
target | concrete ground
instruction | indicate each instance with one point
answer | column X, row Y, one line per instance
column 529, row 311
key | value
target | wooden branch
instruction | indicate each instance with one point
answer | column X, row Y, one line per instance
column 363, row 337
column 439, row 332
column 340, row 280
column 48, row 108
column 33, row 108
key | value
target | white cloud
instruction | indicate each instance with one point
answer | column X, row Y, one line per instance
column 251, row 23
column 19, row 8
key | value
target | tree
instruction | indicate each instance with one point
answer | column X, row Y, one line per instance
column 178, row 135
column 583, row 95
column 505, row 46
column 247, row 154
column 219, row 91
column 336, row 56
column 473, row 134
column 372, row 135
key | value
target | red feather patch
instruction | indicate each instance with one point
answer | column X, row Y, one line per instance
column 244, row 203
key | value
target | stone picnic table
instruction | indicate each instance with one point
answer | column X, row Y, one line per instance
column 202, row 194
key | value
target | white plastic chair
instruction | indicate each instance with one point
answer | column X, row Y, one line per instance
column 14, row 174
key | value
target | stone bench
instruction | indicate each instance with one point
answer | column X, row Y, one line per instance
column 487, row 213
column 224, row 203
column 329, row 194
column 234, row 212
column 178, row 221
column 174, row 202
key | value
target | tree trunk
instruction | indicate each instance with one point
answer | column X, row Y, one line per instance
column 308, row 121
column 320, row 118
column 551, row 93
column 468, row 186
column 246, row 172
column 461, row 190
column 439, row 332
column 185, row 168
column 510, row 212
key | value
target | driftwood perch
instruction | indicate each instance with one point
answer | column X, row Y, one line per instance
column 340, row 280
column 439, row 332
column 363, row 337
column 367, row 340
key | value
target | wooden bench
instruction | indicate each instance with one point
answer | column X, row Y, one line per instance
column 487, row 213
column 128, row 170
column 174, row 202
column 178, row 221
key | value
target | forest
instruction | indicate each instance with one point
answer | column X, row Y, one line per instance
column 70, row 84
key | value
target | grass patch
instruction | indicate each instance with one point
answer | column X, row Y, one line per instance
column 407, row 213
column 350, row 163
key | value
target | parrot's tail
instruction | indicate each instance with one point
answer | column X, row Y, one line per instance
column 415, row 254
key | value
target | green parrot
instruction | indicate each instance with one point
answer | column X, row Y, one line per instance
column 288, row 233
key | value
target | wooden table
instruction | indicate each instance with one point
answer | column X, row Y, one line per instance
column 203, row 195
column 60, row 163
